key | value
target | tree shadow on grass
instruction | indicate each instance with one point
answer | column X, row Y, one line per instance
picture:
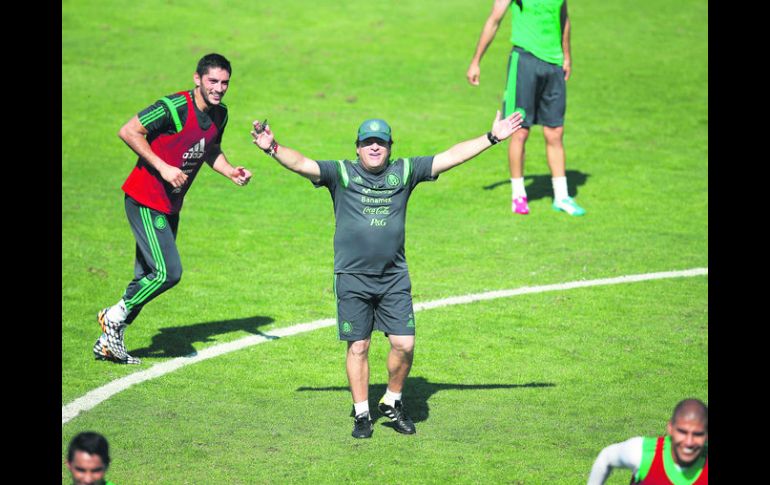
column 177, row 341
column 540, row 185
column 417, row 392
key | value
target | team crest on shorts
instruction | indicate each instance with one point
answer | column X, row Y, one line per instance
column 347, row 327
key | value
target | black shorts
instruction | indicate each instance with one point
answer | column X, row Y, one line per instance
column 373, row 302
column 536, row 87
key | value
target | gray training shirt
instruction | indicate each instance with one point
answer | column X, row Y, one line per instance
column 370, row 212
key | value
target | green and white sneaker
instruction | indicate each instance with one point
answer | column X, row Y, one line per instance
column 569, row 206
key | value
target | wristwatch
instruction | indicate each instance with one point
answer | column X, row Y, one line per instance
column 492, row 138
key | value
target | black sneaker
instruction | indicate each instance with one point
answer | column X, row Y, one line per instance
column 362, row 426
column 397, row 414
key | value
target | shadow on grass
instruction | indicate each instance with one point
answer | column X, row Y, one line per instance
column 177, row 341
column 540, row 185
column 417, row 392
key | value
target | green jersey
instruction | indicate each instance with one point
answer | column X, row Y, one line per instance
column 537, row 28
column 370, row 212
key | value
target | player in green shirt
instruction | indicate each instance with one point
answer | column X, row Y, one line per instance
column 539, row 66
column 371, row 279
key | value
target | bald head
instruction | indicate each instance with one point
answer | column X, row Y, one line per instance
column 691, row 409
column 689, row 432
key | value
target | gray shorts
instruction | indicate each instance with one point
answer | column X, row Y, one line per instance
column 373, row 302
column 537, row 87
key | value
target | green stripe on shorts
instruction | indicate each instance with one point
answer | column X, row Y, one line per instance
column 509, row 98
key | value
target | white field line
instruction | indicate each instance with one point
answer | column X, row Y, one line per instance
column 98, row 395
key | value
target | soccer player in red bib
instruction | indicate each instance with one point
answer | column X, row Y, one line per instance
column 172, row 138
column 679, row 458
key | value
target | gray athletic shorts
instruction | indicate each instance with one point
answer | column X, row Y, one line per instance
column 537, row 87
column 373, row 302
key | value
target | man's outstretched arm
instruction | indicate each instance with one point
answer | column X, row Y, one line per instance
column 627, row 454
column 502, row 128
column 289, row 158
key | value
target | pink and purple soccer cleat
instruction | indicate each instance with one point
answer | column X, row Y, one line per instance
column 519, row 205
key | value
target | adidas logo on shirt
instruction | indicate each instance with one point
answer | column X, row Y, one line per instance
column 196, row 152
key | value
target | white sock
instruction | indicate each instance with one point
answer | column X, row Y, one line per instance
column 391, row 397
column 117, row 312
column 559, row 188
column 517, row 188
column 361, row 407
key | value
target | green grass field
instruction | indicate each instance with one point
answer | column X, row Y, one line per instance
column 523, row 390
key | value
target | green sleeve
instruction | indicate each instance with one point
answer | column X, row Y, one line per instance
column 648, row 453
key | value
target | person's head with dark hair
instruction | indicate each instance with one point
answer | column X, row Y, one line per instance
column 210, row 61
column 88, row 458
column 212, row 78
column 689, row 431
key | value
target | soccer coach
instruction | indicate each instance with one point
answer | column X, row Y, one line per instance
column 371, row 279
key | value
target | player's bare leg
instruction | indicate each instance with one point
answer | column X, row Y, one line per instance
column 357, row 365
column 400, row 360
column 554, row 151
column 516, row 150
